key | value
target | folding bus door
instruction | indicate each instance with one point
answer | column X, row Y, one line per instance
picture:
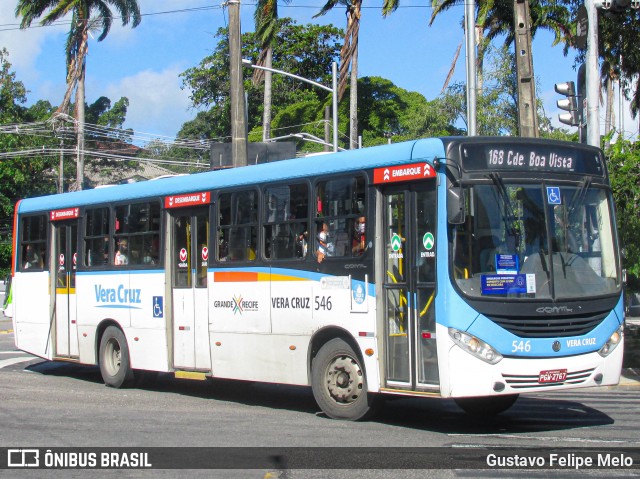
column 409, row 220
column 189, row 256
column 66, row 328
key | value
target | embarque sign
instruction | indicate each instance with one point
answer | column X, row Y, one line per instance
column 411, row 172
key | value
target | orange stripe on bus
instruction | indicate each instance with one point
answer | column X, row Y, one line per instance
column 235, row 277
column 247, row 277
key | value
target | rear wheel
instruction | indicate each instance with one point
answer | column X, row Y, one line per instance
column 339, row 383
column 115, row 366
column 487, row 406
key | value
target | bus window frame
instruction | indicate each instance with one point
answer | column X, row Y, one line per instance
column 316, row 220
column 113, row 237
column 216, row 227
column 263, row 224
column 22, row 243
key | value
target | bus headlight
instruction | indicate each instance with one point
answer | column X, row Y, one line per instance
column 475, row 346
column 612, row 343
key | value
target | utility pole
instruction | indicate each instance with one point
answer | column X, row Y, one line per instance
column 61, row 168
column 527, row 111
column 470, row 35
column 80, row 96
column 238, row 119
column 592, row 76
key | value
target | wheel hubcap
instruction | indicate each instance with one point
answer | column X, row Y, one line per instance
column 113, row 357
column 344, row 379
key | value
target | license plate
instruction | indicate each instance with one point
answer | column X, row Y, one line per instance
column 552, row 376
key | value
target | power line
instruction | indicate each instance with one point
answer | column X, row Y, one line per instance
column 16, row 26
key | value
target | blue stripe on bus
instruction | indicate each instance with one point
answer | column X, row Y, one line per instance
column 302, row 274
column 309, row 167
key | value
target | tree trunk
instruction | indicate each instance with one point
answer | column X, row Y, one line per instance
column 608, row 122
column 266, row 115
column 353, row 99
column 80, row 96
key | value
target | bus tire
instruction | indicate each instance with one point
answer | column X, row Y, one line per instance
column 339, row 384
column 115, row 365
column 486, row 406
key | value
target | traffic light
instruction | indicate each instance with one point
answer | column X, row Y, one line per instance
column 569, row 104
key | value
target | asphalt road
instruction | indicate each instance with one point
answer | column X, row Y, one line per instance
column 52, row 405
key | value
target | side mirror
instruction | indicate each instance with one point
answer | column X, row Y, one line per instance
column 455, row 198
column 455, row 205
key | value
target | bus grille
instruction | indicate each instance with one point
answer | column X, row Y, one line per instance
column 549, row 327
column 521, row 381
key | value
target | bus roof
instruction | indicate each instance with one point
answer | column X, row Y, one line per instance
column 365, row 158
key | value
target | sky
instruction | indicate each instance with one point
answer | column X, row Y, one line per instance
column 144, row 63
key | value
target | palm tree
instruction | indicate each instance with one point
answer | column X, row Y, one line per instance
column 349, row 56
column 495, row 18
column 77, row 44
column 266, row 20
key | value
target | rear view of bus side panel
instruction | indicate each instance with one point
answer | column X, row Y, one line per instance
column 134, row 300
column 31, row 285
column 31, row 300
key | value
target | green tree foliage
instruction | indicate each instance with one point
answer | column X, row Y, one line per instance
column 304, row 50
column 20, row 177
column 618, row 34
column 385, row 110
column 624, row 171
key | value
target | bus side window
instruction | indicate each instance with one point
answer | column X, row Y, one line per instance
column 33, row 243
column 237, row 226
column 96, row 237
column 285, row 221
column 340, row 205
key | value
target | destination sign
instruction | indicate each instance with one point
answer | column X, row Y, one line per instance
column 189, row 199
column 66, row 214
column 551, row 158
column 411, row 172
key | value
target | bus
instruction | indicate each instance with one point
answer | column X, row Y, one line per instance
column 470, row 268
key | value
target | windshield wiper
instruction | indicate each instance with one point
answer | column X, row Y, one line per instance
column 578, row 198
column 508, row 216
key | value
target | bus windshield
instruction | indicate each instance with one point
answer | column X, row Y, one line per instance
column 535, row 241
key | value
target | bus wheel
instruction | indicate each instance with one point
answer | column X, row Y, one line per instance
column 338, row 382
column 486, row 406
column 114, row 359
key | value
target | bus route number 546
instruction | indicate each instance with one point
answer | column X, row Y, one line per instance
column 323, row 302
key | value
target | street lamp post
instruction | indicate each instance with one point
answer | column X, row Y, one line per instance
column 333, row 91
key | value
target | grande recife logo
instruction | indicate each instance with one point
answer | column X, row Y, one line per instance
column 237, row 304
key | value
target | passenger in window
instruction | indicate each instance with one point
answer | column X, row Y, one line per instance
column 325, row 247
column 105, row 251
column 151, row 256
column 121, row 258
column 358, row 241
column 31, row 258
column 301, row 244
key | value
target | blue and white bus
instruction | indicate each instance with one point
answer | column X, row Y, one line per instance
column 467, row 268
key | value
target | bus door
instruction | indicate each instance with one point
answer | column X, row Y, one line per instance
column 409, row 220
column 189, row 259
column 66, row 256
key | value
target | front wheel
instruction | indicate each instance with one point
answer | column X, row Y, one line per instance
column 339, row 384
column 486, row 406
column 115, row 366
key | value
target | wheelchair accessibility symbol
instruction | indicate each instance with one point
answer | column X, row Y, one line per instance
column 158, row 309
column 553, row 195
